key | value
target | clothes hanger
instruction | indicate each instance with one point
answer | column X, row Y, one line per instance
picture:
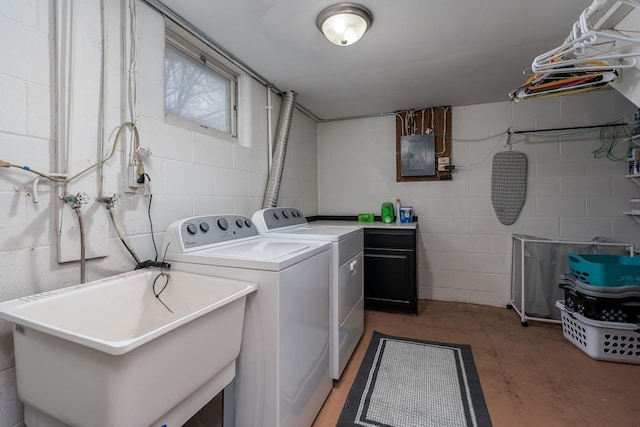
column 584, row 46
column 584, row 55
column 556, row 85
column 586, row 60
column 548, row 85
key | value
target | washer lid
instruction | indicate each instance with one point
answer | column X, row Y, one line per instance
column 258, row 254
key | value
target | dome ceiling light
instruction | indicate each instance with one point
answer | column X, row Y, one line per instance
column 344, row 23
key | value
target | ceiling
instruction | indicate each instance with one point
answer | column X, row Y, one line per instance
column 418, row 53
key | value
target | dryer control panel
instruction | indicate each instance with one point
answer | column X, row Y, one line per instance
column 271, row 219
column 202, row 231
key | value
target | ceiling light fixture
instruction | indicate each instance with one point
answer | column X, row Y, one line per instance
column 344, row 23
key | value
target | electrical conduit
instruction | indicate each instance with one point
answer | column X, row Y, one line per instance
column 269, row 126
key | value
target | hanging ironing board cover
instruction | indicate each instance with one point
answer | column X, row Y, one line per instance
column 508, row 185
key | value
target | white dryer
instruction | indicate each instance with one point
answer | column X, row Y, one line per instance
column 347, row 286
column 283, row 375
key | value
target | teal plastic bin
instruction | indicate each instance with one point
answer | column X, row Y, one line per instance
column 605, row 270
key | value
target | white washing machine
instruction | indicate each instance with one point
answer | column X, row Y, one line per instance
column 347, row 291
column 283, row 375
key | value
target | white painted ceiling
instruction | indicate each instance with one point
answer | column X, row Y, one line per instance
column 418, row 53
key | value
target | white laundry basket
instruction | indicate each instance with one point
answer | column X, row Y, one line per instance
column 609, row 341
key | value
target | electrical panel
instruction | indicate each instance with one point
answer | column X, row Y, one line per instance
column 417, row 155
column 423, row 145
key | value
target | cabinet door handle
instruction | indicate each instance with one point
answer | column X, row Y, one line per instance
column 352, row 267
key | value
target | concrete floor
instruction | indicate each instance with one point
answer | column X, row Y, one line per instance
column 530, row 376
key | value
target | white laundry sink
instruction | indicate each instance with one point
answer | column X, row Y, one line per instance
column 109, row 353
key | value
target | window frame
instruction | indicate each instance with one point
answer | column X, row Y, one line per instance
column 190, row 45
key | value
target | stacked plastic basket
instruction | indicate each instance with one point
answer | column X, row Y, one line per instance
column 601, row 307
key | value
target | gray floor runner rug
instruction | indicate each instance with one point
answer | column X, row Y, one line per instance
column 508, row 185
column 412, row 383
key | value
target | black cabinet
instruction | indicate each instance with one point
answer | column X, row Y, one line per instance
column 390, row 269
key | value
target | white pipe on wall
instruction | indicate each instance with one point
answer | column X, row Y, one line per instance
column 103, row 94
column 269, row 127
column 63, row 17
column 245, row 112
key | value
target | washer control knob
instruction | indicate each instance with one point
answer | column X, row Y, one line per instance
column 204, row 226
column 239, row 223
column 285, row 214
column 247, row 222
column 276, row 216
column 223, row 224
column 192, row 229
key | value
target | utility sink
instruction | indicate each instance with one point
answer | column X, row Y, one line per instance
column 110, row 353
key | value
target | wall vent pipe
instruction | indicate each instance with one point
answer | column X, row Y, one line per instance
column 279, row 150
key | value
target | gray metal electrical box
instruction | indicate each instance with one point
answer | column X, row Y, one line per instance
column 417, row 155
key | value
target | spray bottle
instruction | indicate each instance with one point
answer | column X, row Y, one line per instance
column 398, row 211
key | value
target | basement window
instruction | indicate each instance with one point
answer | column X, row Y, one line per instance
column 200, row 91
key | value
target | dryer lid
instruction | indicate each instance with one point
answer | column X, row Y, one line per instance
column 317, row 232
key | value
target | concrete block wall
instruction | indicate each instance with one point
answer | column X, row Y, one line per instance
column 192, row 173
column 465, row 252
